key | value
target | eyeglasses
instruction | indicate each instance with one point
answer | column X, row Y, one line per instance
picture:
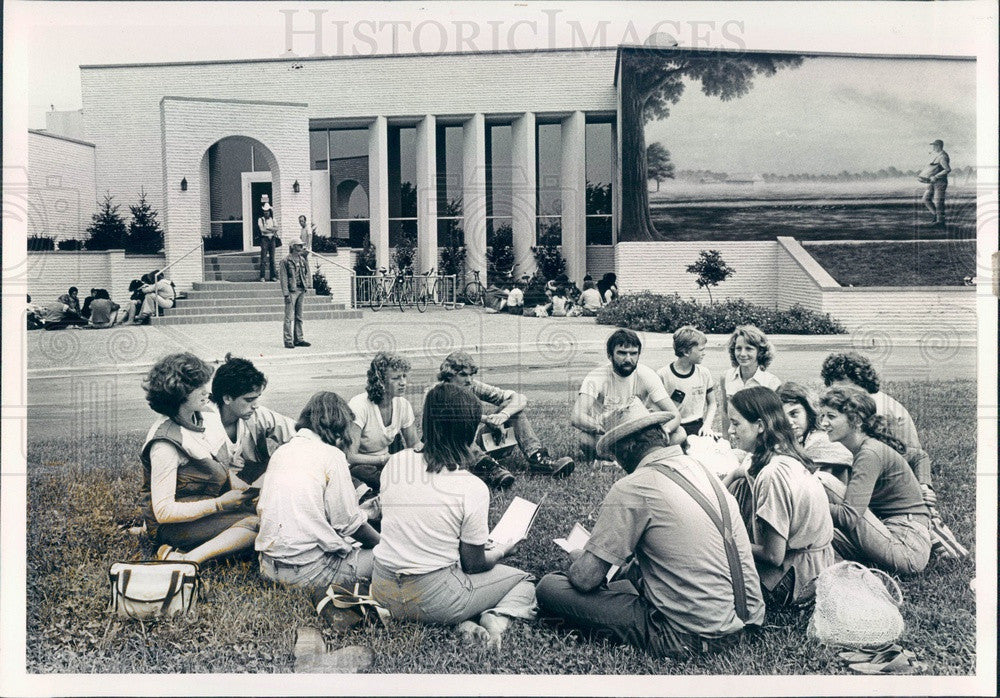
column 468, row 373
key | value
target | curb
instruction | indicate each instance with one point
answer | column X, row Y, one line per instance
column 650, row 341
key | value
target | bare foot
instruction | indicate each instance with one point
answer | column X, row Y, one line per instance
column 473, row 632
column 495, row 625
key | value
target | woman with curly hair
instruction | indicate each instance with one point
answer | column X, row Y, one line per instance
column 784, row 506
column 750, row 353
column 798, row 405
column 880, row 515
column 383, row 418
column 187, row 500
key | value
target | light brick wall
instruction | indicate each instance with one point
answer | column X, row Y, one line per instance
column 189, row 128
column 338, row 275
column 51, row 273
column 800, row 277
column 661, row 267
column 881, row 313
column 129, row 141
column 62, row 195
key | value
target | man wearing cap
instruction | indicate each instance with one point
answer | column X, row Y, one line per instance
column 935, row 175
column 691, row 585
column 293, row 276
column 612, row 386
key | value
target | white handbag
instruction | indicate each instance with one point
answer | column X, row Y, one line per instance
column 854, row 608
column 155, row 589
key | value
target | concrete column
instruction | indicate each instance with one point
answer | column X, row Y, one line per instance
column 474, row 194
column 574, row 196
column 378, row 189
column 524, row 192
column 427, row 233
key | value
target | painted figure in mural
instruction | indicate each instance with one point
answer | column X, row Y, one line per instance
column 294, row 278
column 935, row 176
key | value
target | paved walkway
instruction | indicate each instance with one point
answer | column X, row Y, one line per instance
column 434, row 333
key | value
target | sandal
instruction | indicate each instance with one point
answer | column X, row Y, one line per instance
column 165, row 551
column 890, row 662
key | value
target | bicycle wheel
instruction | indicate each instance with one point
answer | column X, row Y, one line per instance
column 473, row 293
column 377, row 298
column 400, row 293
column 420, row 300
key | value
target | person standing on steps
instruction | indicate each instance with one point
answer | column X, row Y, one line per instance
column 268, row 242
column 294, row 278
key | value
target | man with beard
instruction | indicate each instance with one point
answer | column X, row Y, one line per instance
column 253, row 432
column 611, row 387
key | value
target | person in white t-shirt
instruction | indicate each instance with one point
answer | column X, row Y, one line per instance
column 515, row 300
column 435, row 562
column 750, row 353
column 611, row 387
column 383, row 418
column 590, row 298
column 689, row 384
column 309, row 515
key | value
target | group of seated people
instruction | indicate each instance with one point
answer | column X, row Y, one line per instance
column 680, row 560
column 147, row 295
column 562, row 298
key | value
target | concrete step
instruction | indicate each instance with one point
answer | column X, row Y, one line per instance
column 239, row 263
column 232, row 275
column 249, row 293
column 235, row 286
column 307, row 314
column 313, row 303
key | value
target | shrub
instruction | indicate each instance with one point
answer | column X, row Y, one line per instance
column 40, row 243
column 711, row 270
column 406, row 251
column 70, row 244
column 144, row 233
column 324, row 243
column 650, row 312
column 107, row 229
column 452, row 260
column 365, row 260
column 320, row 284
column 549, row 260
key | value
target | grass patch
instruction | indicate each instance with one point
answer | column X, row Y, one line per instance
column 909, row 263
column 78, row 491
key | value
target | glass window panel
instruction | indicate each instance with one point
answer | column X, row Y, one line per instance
column 450, row 232
column 402, row 172
column 549, row 230
column 449, row 170
column 348, row 173
column 317, row 150
column 498, row 171
column 598, row 230
column 349, row 143
column 549, row 163
column 227, row 160
column 399, row 228
column 600, row 168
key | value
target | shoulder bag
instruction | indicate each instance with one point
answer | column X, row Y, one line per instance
column 154, row 589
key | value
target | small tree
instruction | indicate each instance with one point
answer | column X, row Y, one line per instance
column 144, row 233
column 365, row 261
column 320, row 284
column 107, row 230
column 658, row 164
column 711, row 270
column 406, row 251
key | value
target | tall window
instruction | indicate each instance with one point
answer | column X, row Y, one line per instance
column 344, row 153
column 449, row 186
column 600, row 175
column 499, row 181
column 402, row 184
column 548, row 151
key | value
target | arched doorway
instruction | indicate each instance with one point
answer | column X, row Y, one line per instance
column 239, row 173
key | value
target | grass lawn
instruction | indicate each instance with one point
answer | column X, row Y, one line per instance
column 910, row 263
column 78, row 491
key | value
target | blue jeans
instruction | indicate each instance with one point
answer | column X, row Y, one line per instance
column 449, row 596
column 293, row 317
column 267, row 246
column 328, row 569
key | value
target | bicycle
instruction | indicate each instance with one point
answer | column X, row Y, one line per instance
column 386, row 290
column 442, row 291
column 475, row 292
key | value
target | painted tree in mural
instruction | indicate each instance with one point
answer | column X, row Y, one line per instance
column 652, row 80
column 658, row 165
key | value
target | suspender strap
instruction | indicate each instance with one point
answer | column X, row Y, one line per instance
column 724, row 524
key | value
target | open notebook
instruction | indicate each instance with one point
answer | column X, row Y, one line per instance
column 578, row 538
column 515, row 523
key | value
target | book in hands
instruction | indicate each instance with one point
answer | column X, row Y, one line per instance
column 578, row 538
column 515, row 523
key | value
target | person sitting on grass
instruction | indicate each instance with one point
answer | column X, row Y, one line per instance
column 515, row 299
column 558, row 304
column 612, row 386
column 309, row 514
column 434, row 562
column 590, row 299
column 608, row 288
column 689, row 384
column 783, row 505
column 798, row 405
column 879, row 515
column 685, row 587
column 383, row 419
column 459, row 368
column 189, row 506
column 750, row 353
column 495, row 299
column 253, row 431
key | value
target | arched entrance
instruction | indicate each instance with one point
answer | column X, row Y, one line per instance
column 239, row 172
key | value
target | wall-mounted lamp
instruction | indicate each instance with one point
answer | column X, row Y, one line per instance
column 184, row 184
column 295, row 186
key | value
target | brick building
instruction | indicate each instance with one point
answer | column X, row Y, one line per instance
column 473, row 148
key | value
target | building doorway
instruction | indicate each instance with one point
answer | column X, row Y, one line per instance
column 256, row 185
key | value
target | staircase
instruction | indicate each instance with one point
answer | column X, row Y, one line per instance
column 232, row 293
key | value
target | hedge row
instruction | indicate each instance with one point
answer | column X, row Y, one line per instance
column 651, row 312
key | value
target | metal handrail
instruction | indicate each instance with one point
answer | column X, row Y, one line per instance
column 342, row 266
column 200, row 245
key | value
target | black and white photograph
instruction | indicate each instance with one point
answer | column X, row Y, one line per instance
column 570, row 348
